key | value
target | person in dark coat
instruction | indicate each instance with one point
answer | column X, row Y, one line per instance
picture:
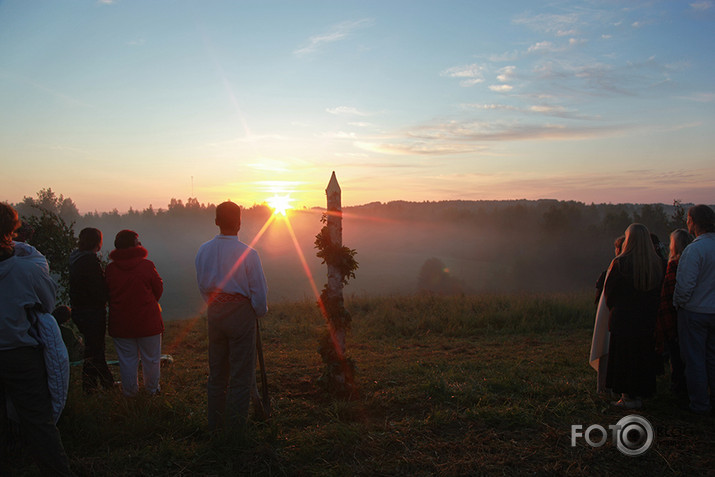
column 632, row 293
column 88, row 298
column 135, row 322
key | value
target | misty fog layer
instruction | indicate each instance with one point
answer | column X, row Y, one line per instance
column 503, row 246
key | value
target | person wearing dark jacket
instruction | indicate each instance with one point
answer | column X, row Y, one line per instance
column 135, row 322
column 88, row 297
column 632, row 293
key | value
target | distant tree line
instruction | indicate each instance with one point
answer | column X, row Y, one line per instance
column 50, row 225
column 545, row 235
column 550, row 215
column 512, row 245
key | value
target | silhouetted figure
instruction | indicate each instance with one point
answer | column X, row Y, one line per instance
column 598, row 358
column 88, row 297
column 694, row 298
column 231, row 281
column 632, row 293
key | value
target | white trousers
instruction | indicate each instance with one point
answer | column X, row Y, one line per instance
column 129, row 351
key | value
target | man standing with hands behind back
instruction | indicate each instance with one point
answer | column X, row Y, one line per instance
column 231, row 281
column 694, row 298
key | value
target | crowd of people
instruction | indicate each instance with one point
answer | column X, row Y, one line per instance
column 121, row 299
column 653, row 306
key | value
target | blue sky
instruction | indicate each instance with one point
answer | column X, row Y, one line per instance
column 121, row 104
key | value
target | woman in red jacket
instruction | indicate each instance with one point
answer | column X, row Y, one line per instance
column 135, row 322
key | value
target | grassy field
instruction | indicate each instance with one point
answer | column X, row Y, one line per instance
column 474, row 385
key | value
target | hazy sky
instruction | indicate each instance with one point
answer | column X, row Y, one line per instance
column 129, row 103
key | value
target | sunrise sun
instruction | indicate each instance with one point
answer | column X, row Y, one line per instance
column 280, row 204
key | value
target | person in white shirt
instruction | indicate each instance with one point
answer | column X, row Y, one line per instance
column 231, row 281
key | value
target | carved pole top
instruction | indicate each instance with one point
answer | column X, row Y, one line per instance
column 333, row 186
column 334, row 195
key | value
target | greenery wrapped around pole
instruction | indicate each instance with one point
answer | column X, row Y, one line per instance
column 339, row 368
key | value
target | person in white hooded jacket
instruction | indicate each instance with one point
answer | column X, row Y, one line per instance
column 26, row 285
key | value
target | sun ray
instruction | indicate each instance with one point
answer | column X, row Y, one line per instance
column 250, row 245
column 278, row 212
column 304, row 263
column 318, row 298
column 240, row 260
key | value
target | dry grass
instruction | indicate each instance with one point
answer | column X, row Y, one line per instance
column 448, row 386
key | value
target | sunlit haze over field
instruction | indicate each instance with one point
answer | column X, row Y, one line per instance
column 120, row 104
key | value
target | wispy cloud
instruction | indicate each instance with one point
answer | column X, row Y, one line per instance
column 597, row 78
column 460, row 131
column 336, row 135
column 346, row 110
column 473, row 137
column 701, row 97
column 422, row 148
column 558, row 25
column 537, row 109
column 506, row 74
column 469, row 74
column 542, row 47
column 336, row 33
column 74, row 151
column 701, row 6
column 647, row 180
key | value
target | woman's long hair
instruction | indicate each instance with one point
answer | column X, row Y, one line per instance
column 647, row 265
column 679, row 239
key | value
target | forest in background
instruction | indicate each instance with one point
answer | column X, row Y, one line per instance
column 445, row 247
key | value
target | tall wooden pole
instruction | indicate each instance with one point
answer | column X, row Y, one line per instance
column 339, row 370
column 334, row 290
